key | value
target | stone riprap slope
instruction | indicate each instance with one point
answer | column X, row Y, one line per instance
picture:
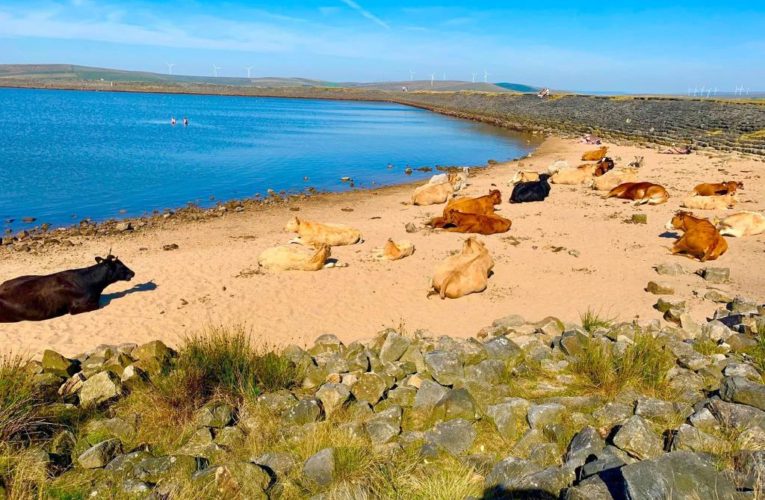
column 524, row 410
column 726, row 125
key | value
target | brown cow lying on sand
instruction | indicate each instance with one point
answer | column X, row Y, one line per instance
column 316, row 233
column 613, row 178
column 717, row 189
column 292, row 258
column 460, row 222
column 464, row 273
column 595, row 154
column 742, row 224
column 483, row 205
column 701, row 239
column 709, row 202
column 394, row 250
column 640, row 193
column 432, row 194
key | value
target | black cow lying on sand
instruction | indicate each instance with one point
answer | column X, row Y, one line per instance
column 36, row 298
column 531, row 191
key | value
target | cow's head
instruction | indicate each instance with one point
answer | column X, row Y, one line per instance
column 496, row 196
column 117, row 271
column 292, row 225
column 678, row 220
column 544, row 177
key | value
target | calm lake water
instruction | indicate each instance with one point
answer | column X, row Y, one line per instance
column 65, row 155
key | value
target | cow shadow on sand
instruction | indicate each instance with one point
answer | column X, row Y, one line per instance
column 142, row 287
column 669, row 235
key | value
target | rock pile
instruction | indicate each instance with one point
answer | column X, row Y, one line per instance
column 515, row 406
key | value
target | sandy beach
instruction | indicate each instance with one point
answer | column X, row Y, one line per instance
column 570, row 253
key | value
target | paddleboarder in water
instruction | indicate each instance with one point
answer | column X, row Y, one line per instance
column 185, row 122
column 172, row 120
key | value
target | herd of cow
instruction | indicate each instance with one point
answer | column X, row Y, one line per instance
column 36, row 298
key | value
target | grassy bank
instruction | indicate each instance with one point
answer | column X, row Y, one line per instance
column 520, row 411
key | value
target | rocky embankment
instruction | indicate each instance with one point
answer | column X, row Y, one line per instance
column 523, row 410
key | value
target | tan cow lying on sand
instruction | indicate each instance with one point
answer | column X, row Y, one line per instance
column 464, row 273
column 432, row 194
column 701, row 239
column 709, row 202
column 292, row 258
column 595, row 154
column 458, row 180
column 574, row 176
column 394, row 250
column 316, row 233
column 640, row 193
column 524, row 176
column 717, row 189
column 742, row 224
column 610, row 180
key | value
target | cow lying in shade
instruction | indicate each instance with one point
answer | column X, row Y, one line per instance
column 464, row 273
column 595, row 155
column 460, row 222
column 613, row 178
column 700, row 240
column 709, row 202
column 531, row 191
column 721, row 188
column 316, row 234
column 742, row 224
column 640, row 193
column 394, row 250
column 292, row 258
column 37, row 298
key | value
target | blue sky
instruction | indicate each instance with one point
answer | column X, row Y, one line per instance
column 643, row 46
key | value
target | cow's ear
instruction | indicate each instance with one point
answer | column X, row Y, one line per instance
column 99, row 259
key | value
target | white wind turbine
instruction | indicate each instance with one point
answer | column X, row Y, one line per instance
column 215, row 70
column 432, row 77
column 444, row 76
column 411, row 75
column 485, row 76
column 474, row 77
column 249, row 69
column 170, row 68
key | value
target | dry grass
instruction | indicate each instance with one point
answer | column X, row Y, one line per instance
column 753, row 136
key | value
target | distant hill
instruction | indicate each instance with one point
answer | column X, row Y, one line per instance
column 51, row 73
column 519, row 87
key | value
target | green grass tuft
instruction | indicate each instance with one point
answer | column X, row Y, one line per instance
column 642, row 366
column 226, row 361
column 592, row 321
